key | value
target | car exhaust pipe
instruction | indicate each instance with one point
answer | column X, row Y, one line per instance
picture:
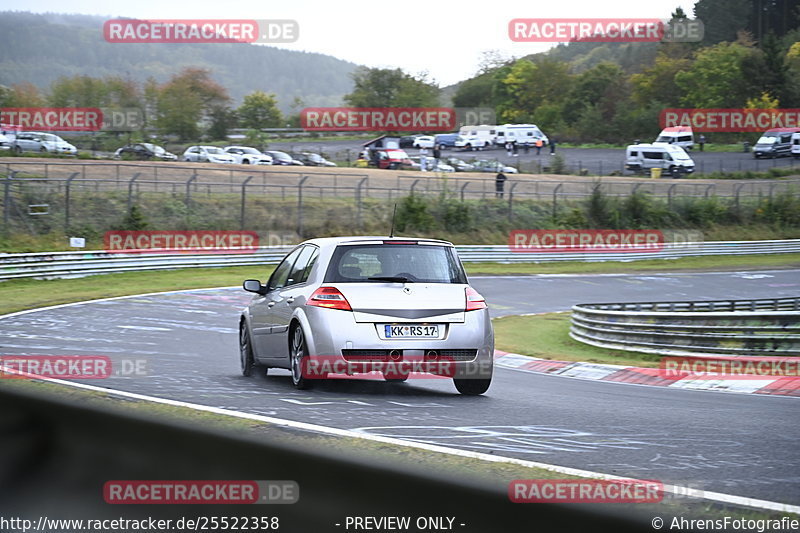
column 395, row 355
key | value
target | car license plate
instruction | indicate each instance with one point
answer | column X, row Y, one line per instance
column 411, row 332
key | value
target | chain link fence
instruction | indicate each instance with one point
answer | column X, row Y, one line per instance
column 40, row 197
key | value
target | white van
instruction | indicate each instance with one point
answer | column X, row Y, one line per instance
column 520, row 134
column 669, row 157
column 484, row 133
column 796, row 145
column 678, row 135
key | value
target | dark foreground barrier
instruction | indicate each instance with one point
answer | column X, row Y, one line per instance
column 55, row 458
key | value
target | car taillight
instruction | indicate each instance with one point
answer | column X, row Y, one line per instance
column 474, row 300
column 330, row 298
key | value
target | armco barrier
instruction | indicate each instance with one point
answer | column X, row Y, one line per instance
column 73, row 264
column 727, row 327
column 57, row 456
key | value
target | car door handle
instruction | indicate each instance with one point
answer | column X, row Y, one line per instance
column 290, row 300
column 270, row 304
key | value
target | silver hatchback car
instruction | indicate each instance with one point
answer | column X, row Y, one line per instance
column 357, row 305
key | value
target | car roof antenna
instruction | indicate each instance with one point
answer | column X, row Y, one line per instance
column 391, row 232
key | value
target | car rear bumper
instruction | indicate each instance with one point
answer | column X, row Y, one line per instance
column 336, row 334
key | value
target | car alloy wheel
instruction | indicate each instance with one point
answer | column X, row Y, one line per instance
column 297, row 353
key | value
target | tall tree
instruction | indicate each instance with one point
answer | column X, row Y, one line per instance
column 187, row 101
column 260, row 110
column 717, row 78
column 722, row 19
column 375, row 87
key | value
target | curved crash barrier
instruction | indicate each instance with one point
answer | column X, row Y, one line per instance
column 727, row 327
column 57, row 456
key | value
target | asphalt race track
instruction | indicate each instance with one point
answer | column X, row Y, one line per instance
column 738, row 444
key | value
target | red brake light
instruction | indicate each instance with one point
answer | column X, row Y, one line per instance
column 474, row 300
column 330, row 298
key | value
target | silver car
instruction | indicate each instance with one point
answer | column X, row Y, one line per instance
column 34, row 141
column 356, row 304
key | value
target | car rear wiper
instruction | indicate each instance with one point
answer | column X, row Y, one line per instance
column 390, row 279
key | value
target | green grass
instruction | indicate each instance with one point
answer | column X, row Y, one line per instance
column 546, row 336
column 22, row 294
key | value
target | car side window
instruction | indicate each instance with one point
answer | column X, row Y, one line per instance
column 299, row 265
column 281, row 274
column 309, row 266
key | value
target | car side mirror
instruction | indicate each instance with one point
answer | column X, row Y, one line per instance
column 253, row 285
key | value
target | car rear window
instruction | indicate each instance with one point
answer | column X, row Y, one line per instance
column 415, row 262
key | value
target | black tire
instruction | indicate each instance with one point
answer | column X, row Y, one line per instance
column 18, row 149
column 245, row 161
column 43, row 149
column 297, row 351
column 246, row 360
column 472, row 387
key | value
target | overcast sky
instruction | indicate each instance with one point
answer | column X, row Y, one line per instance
column 443, row 38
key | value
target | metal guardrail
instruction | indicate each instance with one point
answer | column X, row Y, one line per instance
column 76, row 264
column 726, row 327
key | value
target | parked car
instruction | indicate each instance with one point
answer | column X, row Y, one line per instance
column 446, row 140
column 407, row 141
column 471, row 142
column 432, row 165
column 670, row 157
column 34, row 141
column 776, row 142
column 391, row 159
column 311, row 159
column 424, row 141
column 207, row 154
column 282, row 158
column 485, row 165
column 144, row 152
column 459, row 164
column 244, row 155
column 796, row 145
column 345, row 300
column 5, row 142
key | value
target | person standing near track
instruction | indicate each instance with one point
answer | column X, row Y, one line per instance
column 499, row 184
